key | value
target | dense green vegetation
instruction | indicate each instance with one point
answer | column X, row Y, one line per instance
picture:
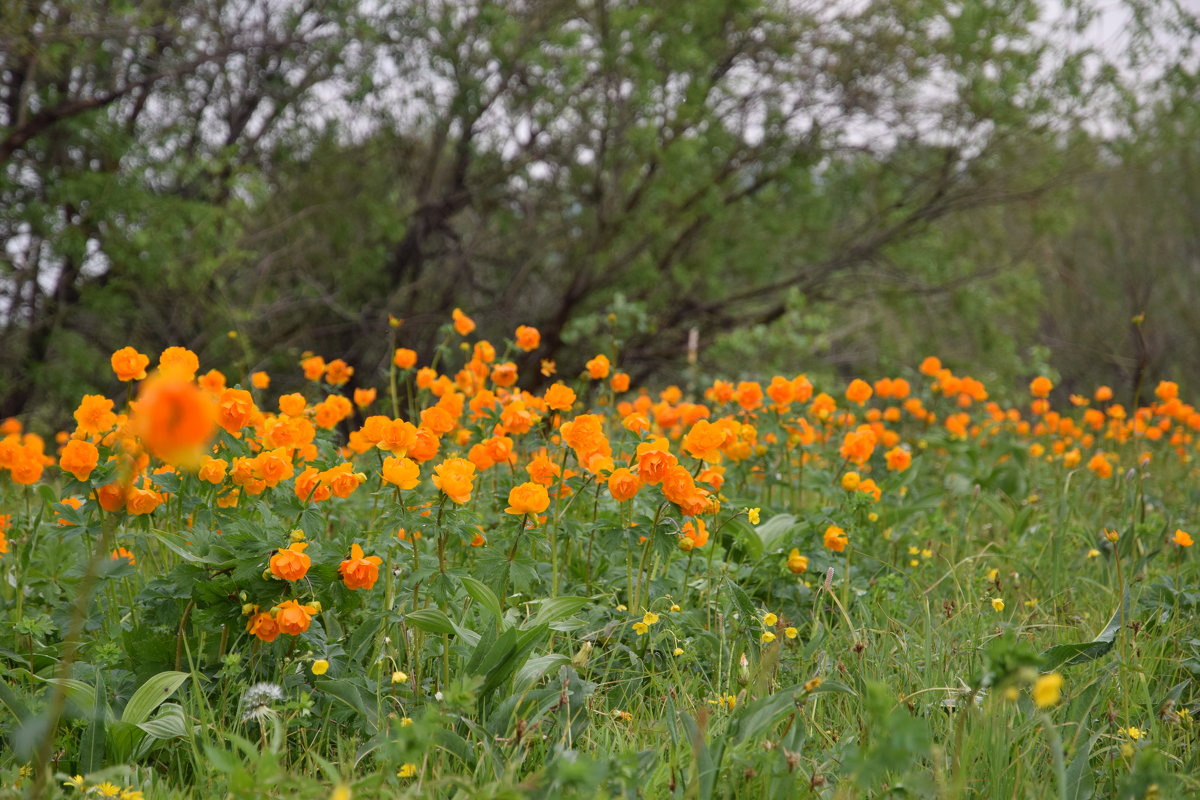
column 1002, row 182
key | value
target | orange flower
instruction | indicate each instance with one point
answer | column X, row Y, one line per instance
column 859, row 391
column 796, row 563
column 1040, row 386
column 129, row 364
column 455, row 477
column 404, row 358
column 120, row 553
column 235, row 409
column 528, row 338
column 619, row 382
column 212, row 469
column 695, row 534
column 402, row 472
column 1166, row 390
column 547, row 367
column 559, row 397
column 504, row 374
column 438, row 420
column 597, row 368
column 542, row 470
column 338, row 372
column 1103, row 394
column 342, row 480
column 313, row 366
column 79, row 458
column 142, row 501
column 95, row 415
column 358, row 572
column 293, row 404
column 1182, row 538
column 1101, row 466
column 263, row 626
column 623, row 484
column 749, row 395
column 836, row 538
column 898, row 459
column 293, row 618
column 291, row 563
column 364, row 397
column 111, row 497
column 174, row 418
column 260, row 380
column 858, row 445
column 462, row 323
column 705, row 440
column 212, row 381
column 653, row 460
column 425, row 445
column 528, row 498
column 931, row 366
column 179, row 362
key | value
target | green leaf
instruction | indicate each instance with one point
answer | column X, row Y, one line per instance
column 773, row 529
column 92, row 744
column 1065, row 655
column 431, row 620
column 483, row 595
column 558, row 608
column 150, row 695
column 538, row 667
column 1080, row 782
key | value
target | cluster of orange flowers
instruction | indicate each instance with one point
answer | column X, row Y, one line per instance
column 477, row 420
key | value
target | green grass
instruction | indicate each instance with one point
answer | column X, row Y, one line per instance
column 902, row 679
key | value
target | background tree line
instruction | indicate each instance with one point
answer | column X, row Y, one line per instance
column 809, row 186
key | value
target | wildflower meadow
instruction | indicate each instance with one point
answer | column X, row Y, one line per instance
column 442, row 584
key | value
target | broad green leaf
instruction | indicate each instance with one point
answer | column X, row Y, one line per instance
column 558, row 608
column 538, row 667
column 1065, row 655
column 431, row 620
column 482, row 594
column 150, row 695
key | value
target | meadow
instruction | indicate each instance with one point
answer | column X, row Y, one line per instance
column 447, row 586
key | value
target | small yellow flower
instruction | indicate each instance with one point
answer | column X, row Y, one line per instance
column 649, row 618
column 992, row 574
column 1047, row 690
column 754, row 515
column 997, row 604
column 912, row 562
column 136, row 794
column 674, row 607
column 1031, row 602
column 926, row 553
column 640, row 628
column 913, row 550
column 624, row 716
column 1093, row 553
column 340, row 792
column 873, row 517
column 399, row 677
column 75, row 783
column 812, row 684
column 1011, row 693
column 769, row 620
column 767, row 637
column 320, row 667
column 1134, row 733
column 621, row 607
column 1111, row 535
column 296, row 535
column 405, row 722
column 407, row 770
column 678, row 651
column 107, row 789
column 791, row 632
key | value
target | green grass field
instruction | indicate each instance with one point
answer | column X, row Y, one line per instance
column 1008, row 611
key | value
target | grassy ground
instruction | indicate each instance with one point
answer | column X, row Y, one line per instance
column 1010, row 618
